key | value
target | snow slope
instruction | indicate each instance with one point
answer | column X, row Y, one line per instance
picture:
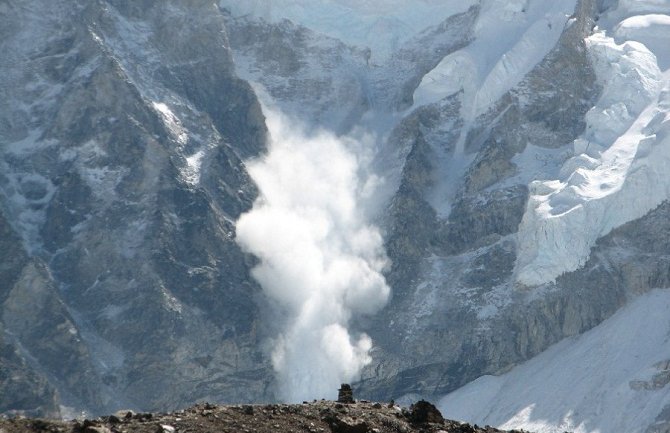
column 511, row 38
column 612, row 379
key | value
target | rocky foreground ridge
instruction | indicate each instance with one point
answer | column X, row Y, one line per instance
column 316, row 417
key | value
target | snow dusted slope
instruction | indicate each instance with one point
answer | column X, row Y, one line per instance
column 619, row 171
column 612, row 379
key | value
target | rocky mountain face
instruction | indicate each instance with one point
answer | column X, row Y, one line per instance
column 463, row 262
column 124, row 127
column 519, row 146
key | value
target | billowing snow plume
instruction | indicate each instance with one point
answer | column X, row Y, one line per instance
column 319, row 259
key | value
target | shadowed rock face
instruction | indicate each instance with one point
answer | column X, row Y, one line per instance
column 29, row 390
column 123, row 128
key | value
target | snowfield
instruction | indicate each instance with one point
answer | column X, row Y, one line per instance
column 611, row 379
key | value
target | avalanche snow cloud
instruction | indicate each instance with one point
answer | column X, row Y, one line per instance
column 320, row 261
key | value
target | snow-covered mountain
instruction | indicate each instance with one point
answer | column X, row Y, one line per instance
column 257, row 200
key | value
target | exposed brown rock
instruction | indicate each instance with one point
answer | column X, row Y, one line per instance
column 317, row 417
column 425, row 412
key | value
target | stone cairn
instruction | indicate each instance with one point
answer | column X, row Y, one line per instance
column 345, row 394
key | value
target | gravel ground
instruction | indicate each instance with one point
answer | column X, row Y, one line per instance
column 315, row 417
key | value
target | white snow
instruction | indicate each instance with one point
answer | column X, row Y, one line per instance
column 652, row 30
column 596, row 382
column 171, row 122
column 102, row 179
column 511, row 37
column 191, row 172
column 381, row 25
column 619, row 172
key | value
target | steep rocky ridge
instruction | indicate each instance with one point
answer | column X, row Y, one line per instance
column 464, row 261
column 460, row 307
column 123, row 131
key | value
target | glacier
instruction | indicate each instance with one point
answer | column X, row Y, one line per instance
column 510, row 39
column 619, row 169
column 653, row 30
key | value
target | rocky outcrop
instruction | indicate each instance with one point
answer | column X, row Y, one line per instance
column 322, row 416
column 39, row 323
column 29, row 389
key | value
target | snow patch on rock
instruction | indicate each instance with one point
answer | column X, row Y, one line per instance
column 171, row 122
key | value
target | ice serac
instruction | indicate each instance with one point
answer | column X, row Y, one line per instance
column 652, row 30
column 617, row 175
